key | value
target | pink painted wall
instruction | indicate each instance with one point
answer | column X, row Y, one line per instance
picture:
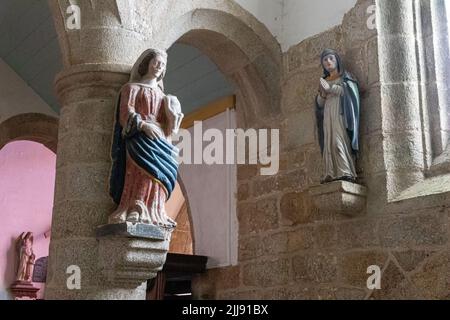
column 27, row 181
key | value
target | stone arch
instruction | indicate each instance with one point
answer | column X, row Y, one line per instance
column 35, row 127
column 244, row 51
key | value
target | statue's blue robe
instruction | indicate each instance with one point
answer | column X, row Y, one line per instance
column 350, row 110
column 155, row 156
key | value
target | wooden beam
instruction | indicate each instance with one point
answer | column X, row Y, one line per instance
column 209, row 111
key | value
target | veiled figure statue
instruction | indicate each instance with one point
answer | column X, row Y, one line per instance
column 338, row 118
column 26, row 257
column 144, row 170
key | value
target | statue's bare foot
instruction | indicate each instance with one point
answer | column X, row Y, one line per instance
column 133, row 217
column 144, row 216
column 168, row 222
column 118, row 217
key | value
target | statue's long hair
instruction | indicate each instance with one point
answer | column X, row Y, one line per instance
column 140, row 68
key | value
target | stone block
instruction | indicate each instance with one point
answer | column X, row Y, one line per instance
column 352, row 266
column 128, row 262
column 357, row 234
column 133, row 230
column 317, row 268
column 78, row 218
column 325, row 236
column 434, row 276
column 243, row 192
column 266, row 273
column 246, row 172
column 355, row 29
column 275, row 244
column 250, row 248
column 411, row 231
column 296, row 209
column 411, row 259
column 259, row 216
column 340, row 197
column 391, row 278
column 300, row 239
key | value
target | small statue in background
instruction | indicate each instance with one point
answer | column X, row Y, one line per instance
column 338, row 118
column 26, row 257
column 145, row 165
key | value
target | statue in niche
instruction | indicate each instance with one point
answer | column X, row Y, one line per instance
column 26, row 257
column 338, row 117
column 144, row 171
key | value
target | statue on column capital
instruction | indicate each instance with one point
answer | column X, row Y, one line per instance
column 145, row 165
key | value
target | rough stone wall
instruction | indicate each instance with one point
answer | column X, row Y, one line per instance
column 290, row 250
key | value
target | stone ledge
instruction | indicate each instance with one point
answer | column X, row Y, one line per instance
column 340, row 197
column 131, row 254
column 132, row 230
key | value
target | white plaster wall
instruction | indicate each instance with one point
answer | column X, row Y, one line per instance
column 292, row 21
column 269, row 12
column 211, row 193
column 305, row 18
column 16, row 97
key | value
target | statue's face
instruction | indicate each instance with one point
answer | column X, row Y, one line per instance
column 157, row 66
column 330, row 63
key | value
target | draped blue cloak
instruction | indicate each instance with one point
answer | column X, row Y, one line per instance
column 155, row 156
column 350, row 110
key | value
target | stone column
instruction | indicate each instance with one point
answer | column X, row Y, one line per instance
column 117, row 264
column 399, row 78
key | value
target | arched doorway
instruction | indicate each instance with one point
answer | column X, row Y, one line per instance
column 35, row 127
column 28, row 144
column 250, row 58
column 27, row 171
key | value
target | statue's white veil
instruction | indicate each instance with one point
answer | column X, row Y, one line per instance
column 135, row 77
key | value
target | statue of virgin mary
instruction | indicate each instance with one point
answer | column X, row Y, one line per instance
column 338, row 117
column 144, row 170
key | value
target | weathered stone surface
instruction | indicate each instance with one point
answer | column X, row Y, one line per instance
column 246, row 172
column 355, row 25
column 295, row 209
column 411, row 259
column 320, row 268
column 133, row 230
column 352, row 266
column 78, row 219
column 357, row 234
column 391, row 278
column 350, row 294
column 250, row 248
column 240, row 295
column 308, row 52
column 297, row 136
column 259, row 216
column 434, row 276
column 325, row 236
column 410, row 231
column 129, row 262
column 276, row 243
column 339, row 197
column 243, row 192
column 301, row 239
column 222, row 278
column 266, row 273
